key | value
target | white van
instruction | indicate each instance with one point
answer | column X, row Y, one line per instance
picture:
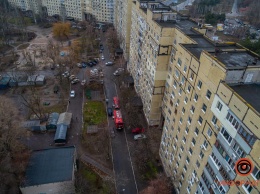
column 109, row 63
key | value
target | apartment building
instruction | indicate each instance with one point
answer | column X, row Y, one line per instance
column 122, row 24
column 103, row 10
column 205, row 94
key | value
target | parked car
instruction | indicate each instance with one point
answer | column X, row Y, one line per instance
column 109, row 111
column 118, row 71
column 138, row 130
column 103, row 58
column 94, row 71
column 72, row 77
column 79, row 65
column 139, row 136
column 90, row 64
column 94, row 62
column 74, row 81
column 84, row 65
column 83, row 82
column 72, row 93
column 109, row 63
column 66, row 74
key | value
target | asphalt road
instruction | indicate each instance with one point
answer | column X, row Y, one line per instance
column 125, row 180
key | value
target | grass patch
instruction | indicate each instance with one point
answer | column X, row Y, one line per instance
column 89, row 182
column 59, row 108
column 94, row 113
column 23, row 46
column 151, row 171
column 28, row 21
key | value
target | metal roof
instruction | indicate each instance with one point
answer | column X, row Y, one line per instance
column 53, row 118
column 50, row 166
column 61, row 132
column 65, row 118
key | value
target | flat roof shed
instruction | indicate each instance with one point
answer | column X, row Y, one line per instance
column 65, row 118
column 61, row 134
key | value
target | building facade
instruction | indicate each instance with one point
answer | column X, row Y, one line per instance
column 103, row 11
column 122, row 24
column 204, row 93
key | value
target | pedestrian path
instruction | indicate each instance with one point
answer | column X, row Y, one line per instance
column 97, row 167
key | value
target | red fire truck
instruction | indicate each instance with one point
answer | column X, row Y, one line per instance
column 116, row 102
column 118, row 119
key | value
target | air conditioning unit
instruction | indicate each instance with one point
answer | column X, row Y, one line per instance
column 227, row 168
column 213, row 186
column 234, row 156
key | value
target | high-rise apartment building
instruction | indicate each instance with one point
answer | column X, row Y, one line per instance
column 205, row 94
column 102, row 10
column 122, row 24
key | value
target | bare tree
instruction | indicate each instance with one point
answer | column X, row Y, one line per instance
column 13, row 155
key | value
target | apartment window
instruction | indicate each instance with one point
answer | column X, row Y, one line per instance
column 178, row 101
column 188, row 189
column 184, row 140
column 176, row 138
column 179, row 129
column 170, row 69
column 249, row 138
column 179, row 62
column 178, row 190
column 238, row 150
column 204, row 108
column 185, row 168
column 187, row 130
column 174, row 84
column 214, row 120
column 169, row 111
column 194, row 173
column 173, row 94
column 177, row 73
column 188, row 88
column 201, row 154
column 219, row 106
column 197, row 164
column 192, row 109
column 216, row 161
column 256, row 173
column 209, row 132
column 182, row 176
column 191, row 76
column 196, row 97
column 180, row 183
column 190, row 151
column 186, row 100
column 200, row 120
column 174, row 146
column 247, row 188
column 181, row 120
column 179, row 157
column 193, row 141
column 205, row 144
column 196, row 131
column 199, row 84
column 177, row 164
column 187, row 160
column 185, row 69
column 189, row 120
column 180, row 91
column 182, row 148
column 183, row 110
column 208, row 94
column 182, row 80
column 226, row 135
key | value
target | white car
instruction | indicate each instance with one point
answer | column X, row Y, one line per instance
column 72, row 93
column 103, row 58
column 118, row 71
column 139, row 136
column 93, row 71
column 83, row 82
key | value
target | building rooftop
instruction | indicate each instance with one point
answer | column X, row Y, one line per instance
column 50, row 166
column 250, row 93
column 184, row 25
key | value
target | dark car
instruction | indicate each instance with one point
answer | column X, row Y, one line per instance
column 84, row 65
column 109, row 112
column 94, row 62
column 90, row 64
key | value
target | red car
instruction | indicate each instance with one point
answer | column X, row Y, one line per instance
column 138, row 130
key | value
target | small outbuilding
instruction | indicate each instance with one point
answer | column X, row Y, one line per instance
column 31, row 124
column 52, row 121
column 65, row 119
column 61, row 135
column 40, row 80
column 4, row 82
column 50, row 171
